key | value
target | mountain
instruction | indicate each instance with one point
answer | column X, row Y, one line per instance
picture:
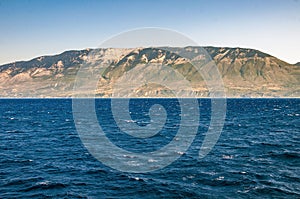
column 245, row 72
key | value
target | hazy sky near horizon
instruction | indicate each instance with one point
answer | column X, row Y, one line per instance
column 30, row 28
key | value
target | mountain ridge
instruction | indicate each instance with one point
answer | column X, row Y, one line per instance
column 91, row 49
column 245, row 72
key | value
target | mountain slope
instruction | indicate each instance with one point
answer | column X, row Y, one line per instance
column 245, row 72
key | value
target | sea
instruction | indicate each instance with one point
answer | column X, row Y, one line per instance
column 256, row 156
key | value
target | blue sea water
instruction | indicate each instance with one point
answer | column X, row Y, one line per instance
column 256, row 156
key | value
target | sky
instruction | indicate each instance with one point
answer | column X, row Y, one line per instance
column 31, row 28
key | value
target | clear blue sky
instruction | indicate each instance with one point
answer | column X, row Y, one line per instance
column 30, row 28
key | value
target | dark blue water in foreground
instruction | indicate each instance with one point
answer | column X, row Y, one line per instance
column 257, row 155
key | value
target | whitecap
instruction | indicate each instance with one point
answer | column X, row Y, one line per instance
column 129, row 121
column 133, row 163
column 220, row 178
column 152, row 160
column 44, row 183
column 191, row 176
column 227, row 157
column 180, row 152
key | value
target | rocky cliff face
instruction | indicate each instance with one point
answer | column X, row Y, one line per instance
column 245, row 72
